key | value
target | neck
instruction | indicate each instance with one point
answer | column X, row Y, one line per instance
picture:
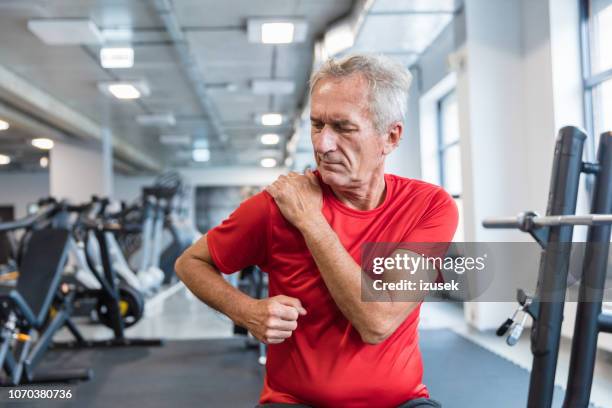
column 363, row 194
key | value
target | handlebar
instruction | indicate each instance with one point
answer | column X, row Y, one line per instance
column 528, row 220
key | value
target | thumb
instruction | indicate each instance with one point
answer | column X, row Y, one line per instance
column 312, row 177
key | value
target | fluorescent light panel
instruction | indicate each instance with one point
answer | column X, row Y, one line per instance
column 44, row 162
column 43, row 143
column 268, row 162
column 117, row 57
column 4, row 125
column 201, row 155
column 125, row 89
column 269, row 139
column 272, row 86
column 4, row 160
column 65, row 31
column 271, row 119
column 276, row 31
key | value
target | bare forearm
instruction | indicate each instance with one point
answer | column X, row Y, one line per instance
column 343, row 278
column 209, row 286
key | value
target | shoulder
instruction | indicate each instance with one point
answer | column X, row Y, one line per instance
column 261, row 200
column 408, row 186
column 430, row 197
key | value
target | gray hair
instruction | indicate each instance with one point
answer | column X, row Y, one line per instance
column 389, row 83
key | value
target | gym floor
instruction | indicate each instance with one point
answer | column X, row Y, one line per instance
column 181, row 316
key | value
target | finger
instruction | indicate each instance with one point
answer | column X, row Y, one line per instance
column 280, row 324
column 273, row 341
column 289, row 301
column 272, row 334
column 284, row 312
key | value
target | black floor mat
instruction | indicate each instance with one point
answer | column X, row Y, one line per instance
column 223, row 373
column 459, row 374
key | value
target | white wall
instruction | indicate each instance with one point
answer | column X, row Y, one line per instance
column 21, row 189
column 78, row 172
column 405, row 160
column 508, row 127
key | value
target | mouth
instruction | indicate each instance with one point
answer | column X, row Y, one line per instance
column 329, row 164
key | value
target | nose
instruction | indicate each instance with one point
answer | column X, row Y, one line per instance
column 324, row 141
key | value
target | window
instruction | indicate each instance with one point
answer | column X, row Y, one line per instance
column 596, row 29
column 448, row 144
column 440, row 142
column 449, row 152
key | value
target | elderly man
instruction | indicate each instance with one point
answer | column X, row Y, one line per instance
column 327, row 346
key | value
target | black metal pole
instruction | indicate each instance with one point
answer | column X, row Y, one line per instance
column 112, row 298
column 554, row 264
column 595, row 263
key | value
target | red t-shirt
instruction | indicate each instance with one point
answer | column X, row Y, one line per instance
column 325, row 363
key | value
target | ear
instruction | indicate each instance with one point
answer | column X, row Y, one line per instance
column 393, row 136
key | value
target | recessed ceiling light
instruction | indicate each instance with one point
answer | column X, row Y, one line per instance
column 43, row 143
column 4, row 159
column 276, row 31
column 44, row 162
column 124, row 89
column 269, row 139
column 65, row 31
column 268, row 162
column 201, row 155
column 4, row 125
column 271, row 119
column 117, row 57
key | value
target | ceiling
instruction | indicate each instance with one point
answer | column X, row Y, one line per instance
column 226, row 63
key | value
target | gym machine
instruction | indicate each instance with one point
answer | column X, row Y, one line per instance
column 254, row 282
column 554, row 234
column 117, row 304
column 27, row 323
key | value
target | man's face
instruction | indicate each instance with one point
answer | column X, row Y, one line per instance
column 347, row 147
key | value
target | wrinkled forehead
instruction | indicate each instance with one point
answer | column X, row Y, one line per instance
column 341, row 96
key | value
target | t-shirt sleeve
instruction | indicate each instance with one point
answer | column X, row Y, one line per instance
column 435, row 229
column 241, row 240
column 439, row 221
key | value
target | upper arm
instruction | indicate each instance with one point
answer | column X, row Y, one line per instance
column 241, row 240
column 436, row 227
column 199, row 250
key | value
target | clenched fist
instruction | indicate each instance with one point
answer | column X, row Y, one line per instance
column 274, row 319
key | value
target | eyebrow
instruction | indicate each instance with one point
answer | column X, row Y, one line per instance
column 339, row 122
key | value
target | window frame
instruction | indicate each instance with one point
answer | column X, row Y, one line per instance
column 442, row 147
column 589, row 80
